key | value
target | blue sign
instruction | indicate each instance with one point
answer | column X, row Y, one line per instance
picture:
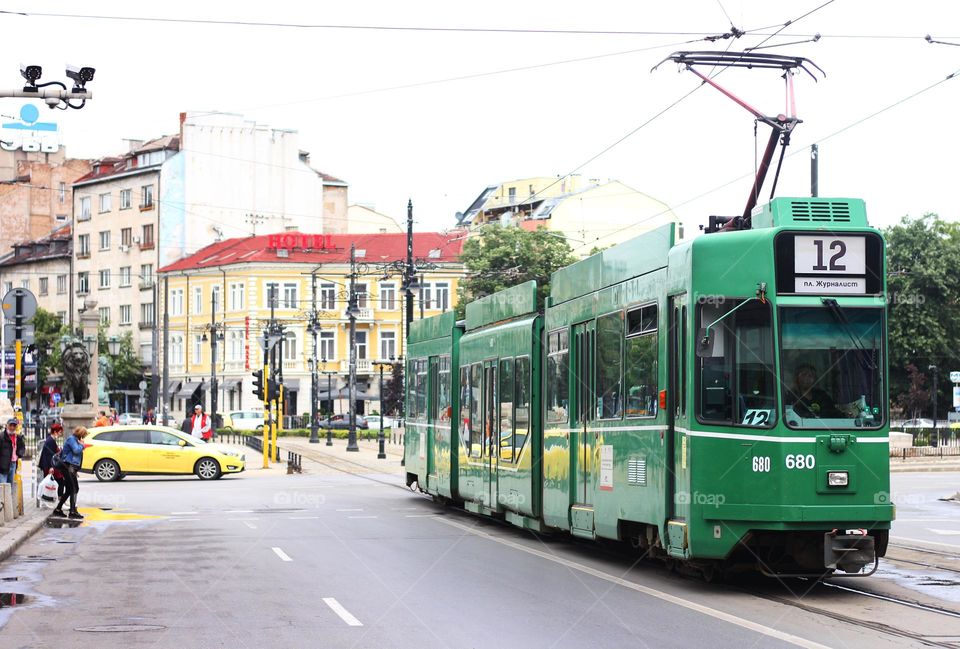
column 56, row 397
column 28, row 134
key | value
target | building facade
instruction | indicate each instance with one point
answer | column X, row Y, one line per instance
column 42, row 267
column 362, row 219
column 224, row 290
column 36, row 197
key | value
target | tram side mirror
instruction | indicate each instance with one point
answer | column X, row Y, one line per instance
column 705, row 341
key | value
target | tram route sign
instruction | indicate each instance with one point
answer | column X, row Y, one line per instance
column 829, row 263
column 955, row 377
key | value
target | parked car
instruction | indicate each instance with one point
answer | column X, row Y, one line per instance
column 342, row 422
column 918, row 423
column 243, row 420
column 117, row 451
column 129, row 419
column 374, row 422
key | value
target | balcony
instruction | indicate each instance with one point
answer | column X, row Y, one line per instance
column 146, row 325
column 364, row 366
column 83, row 254
column 146, row 285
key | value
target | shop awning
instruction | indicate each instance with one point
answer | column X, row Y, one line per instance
column 173, row 386
column 291, row 384
column 231, row 384
column 188, row 389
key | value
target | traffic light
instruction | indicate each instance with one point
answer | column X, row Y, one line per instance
column 258, row 384
column 273, row 389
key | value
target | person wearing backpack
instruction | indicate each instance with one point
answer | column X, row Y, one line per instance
column 48, row 454
column 71, row 458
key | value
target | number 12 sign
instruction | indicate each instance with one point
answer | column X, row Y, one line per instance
column 830, row 264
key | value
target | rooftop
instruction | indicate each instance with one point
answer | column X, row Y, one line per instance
column 129, row 162
column 57, row 244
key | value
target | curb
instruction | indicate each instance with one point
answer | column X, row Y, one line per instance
column 13, row 537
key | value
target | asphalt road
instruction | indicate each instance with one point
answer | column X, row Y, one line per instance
column 336, row 560
column 922, row 515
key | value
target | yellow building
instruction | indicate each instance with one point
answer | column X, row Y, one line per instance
column 225, row 288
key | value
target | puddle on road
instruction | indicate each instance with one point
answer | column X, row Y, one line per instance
column 934, row 583
column 56, row 523
column 14, row 599
column 97, row 515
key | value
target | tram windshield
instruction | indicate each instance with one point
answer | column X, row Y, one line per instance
column 831, row 367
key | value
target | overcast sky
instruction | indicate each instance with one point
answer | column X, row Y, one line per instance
column 380, row 108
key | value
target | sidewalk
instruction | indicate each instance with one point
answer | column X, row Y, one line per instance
column 336, row 456
column 14, row 533
column 898, row 465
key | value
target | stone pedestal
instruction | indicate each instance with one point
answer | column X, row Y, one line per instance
column 77, row 414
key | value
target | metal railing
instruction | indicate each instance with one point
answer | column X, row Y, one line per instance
column 294, row 462
column 925, row 451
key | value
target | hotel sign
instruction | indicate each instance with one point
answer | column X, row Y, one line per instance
column 301, row 242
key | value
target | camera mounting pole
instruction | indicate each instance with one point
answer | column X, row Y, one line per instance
column 782, row 125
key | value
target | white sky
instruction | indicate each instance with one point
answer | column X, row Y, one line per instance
column 441, row 144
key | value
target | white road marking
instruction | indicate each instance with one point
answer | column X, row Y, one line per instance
column 238, row 511
column 351, row 510
column 924, row 542
column 945, row 532
column 673, row 599
column 337, row 608
column 303, row 518
column 183, row 513
column 250, row 525
column 283, row 555
column 361, row 516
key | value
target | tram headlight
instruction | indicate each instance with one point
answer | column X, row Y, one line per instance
column 837, row 479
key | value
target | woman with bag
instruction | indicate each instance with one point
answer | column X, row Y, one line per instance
column 46, row 461
column 71, row 457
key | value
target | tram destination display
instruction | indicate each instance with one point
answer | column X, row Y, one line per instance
column 826, row 263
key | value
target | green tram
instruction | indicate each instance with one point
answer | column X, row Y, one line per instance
column 720, row 402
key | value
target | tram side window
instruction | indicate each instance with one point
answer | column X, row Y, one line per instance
column 443, row 412
column 609, row 366
column 476, row 398
column 735, row 377
column 411, row 390
column 521, row 404
column 558, row 392
column 506, row 409
column 465, row 406
column 422, row 388
column 640, row 372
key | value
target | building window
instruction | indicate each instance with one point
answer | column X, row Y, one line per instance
column 328, row 347
column 146, row 197
column 44, row 285
column 62, row 316
column 236, row 297
column 197, row 347
column 146, row 274
column 425, row 295
column 388, row 294
column 146, row 313
column 176, row 350
column 361, row 338
column 215, row 298
column 197, row 300
column 105, row 240
column 105, row 203
column 126, row 198
column 83, row 282
column 63, row 192
column 84, row 209
column 235, row 349
column 7, row 287
column 176, row 301
column 361, row 292
column 61, row 217
column 441, row 296
column 388, row 345
column 512, row 194
column 25, row 283
column 146, row 240
column 126, row 237
column 125, row 314
column 290, row 347
column 124, row 276
column 105, row 278
column 290, row 296
column 328, row 296
column 104, row 315
column 83, row 245
column 61, row 284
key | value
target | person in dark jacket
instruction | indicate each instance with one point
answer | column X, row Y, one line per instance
column 72, row 458
column 12, row 447
column 45, row 462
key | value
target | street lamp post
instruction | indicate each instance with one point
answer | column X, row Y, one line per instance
column 936, row 372
column 329, row 396
column 352, row 312
column 381, row 453
column 312, row 363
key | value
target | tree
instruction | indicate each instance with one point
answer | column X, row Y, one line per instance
column 501, row 257
column 393, row 391
column 915, row 401
column 47, row 331
column 923, row 258
column 124, row 371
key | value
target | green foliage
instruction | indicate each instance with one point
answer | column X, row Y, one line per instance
column 393, row 391
column 47, row 332
column 923, row 260
column 501, row 257
column 124, row 371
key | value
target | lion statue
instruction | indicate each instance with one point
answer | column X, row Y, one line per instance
column 76, row 371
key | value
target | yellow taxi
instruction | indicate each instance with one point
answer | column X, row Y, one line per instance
column 114, row 452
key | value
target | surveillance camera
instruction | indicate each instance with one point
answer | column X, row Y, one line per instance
column 80, row 76
column 52, row 101
column 30, row 72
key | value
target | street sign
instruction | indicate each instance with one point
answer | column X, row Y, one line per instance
column 10, row 332
column 56, row 397
column 956, row 396
column 955, row 377
column 142, row 385
column 28, row 304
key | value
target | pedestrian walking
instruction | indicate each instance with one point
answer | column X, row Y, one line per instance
column 200, row 426
column 114, row 417
column 102, row 420
column 150, row 418
column 12, row 448
column 47, row 453
column 71, row 458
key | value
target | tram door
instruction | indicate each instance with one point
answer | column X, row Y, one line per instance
column 491, row 434
column 677, row 483
column 583, row 441
column 433, row 434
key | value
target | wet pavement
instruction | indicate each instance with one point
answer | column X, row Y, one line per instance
column 924, row 515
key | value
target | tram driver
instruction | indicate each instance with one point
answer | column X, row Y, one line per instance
column 809, row 400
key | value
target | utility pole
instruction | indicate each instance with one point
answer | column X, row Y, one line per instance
column 814, row 170
column 314, row 326
column 155, row 339
column 166, row 350
column 352, row 315
column 409, row 273
column 213, row 359
column 936, row 373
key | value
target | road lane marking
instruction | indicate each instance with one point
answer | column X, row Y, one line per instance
column 183, row 513
column 945, row 532
column 361, row 516
column 250, row 525
column 283, row 555
column 673, row 599
column 420, row 515
column 238, row 511
column 351, row 510
column 337, row 608
column 303, row 518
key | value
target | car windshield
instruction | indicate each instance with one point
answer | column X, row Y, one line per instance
column 831, row 367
